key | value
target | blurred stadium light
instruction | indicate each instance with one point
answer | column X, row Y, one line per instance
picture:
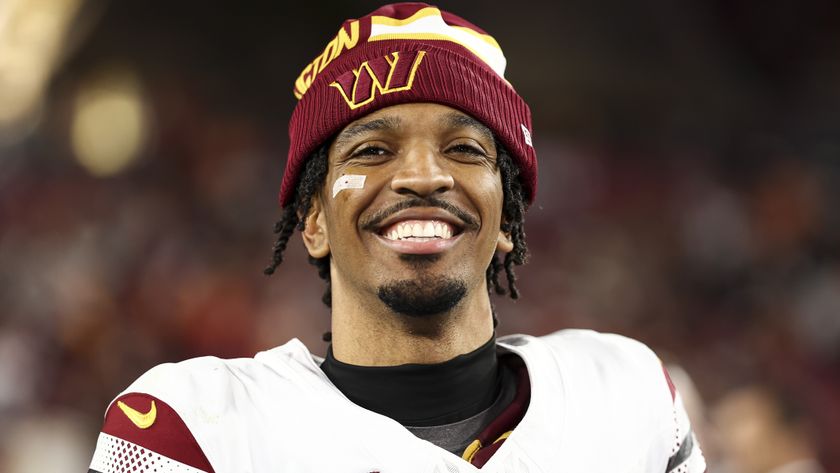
column 31, row 39
column 110, row 122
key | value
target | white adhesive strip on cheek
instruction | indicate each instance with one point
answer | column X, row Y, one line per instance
column 348, row 181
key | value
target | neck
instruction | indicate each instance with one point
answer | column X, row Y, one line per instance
column 422, row 394
column 366, row 333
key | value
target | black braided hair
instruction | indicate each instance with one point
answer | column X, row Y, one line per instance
column 513, row 223
column 293, row 218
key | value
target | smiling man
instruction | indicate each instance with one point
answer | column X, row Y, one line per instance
column 410, row 168
column 408, row 252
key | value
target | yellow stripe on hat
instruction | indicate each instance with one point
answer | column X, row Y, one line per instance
column 427, row 23
column 421, row 13
column 431, row 11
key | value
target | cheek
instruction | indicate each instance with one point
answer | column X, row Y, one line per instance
column 488, row 198
column 484, row 191
column 349, row 194
column 347, row 182
column 345, row 185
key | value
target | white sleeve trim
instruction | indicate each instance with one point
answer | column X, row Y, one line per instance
column 686, row 455
column 115, row 455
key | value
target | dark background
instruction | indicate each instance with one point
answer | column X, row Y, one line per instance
column 689, row 159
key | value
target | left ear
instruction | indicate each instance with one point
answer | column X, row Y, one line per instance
column 504, row 244
column 315, row 234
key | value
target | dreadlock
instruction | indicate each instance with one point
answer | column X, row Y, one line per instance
column 513, row 223
column 293, row 217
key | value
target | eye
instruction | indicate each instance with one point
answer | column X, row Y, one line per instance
column 369, row 151
column 465, row 148
column 467, row 152
column 367, row 154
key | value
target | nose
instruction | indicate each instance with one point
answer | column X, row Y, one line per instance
column 421, row 173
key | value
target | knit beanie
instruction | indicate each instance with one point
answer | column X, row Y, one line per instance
column 404, row 53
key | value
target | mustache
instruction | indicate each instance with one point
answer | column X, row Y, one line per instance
column 372, row 223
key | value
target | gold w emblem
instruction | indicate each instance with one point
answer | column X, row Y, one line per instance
column 386, row 75
column 143, row 421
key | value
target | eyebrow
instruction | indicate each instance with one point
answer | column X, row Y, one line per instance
column 456, row 119
column 384, row 123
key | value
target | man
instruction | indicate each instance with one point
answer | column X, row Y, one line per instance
column 410, row 167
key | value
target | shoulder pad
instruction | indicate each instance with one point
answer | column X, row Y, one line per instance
column 142, row 433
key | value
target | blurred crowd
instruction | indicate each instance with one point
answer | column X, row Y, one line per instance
column 721, row 254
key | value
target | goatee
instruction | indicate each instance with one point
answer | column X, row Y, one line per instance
column 422, row 297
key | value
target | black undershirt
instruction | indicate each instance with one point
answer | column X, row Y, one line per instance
column 422, row 395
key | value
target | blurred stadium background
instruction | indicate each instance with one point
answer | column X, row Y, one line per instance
column 689, row 188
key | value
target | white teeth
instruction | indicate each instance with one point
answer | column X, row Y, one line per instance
column 419, row 230
column 429, row 229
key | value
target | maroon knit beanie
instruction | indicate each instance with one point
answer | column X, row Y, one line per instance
column 403, row 53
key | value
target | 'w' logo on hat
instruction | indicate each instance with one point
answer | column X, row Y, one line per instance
column 388, row 74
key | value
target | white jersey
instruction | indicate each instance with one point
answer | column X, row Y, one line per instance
column 599, row 403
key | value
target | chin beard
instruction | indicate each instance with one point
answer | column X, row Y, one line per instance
column 423, row 297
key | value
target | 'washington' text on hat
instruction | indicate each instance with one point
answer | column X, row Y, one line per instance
column 342, row 41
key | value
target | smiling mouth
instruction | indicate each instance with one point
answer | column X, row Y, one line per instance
column 419, row 230
column 420, row 226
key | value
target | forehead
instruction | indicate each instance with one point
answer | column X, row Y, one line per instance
column 412, row 117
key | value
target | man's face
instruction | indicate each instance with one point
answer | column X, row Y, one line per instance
column 421, row 232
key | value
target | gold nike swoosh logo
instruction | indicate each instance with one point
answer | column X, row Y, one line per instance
column 143, row 421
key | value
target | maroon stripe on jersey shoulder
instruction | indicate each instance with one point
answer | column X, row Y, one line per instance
column 491, row 437
column 670, row 384
column 151, row 423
